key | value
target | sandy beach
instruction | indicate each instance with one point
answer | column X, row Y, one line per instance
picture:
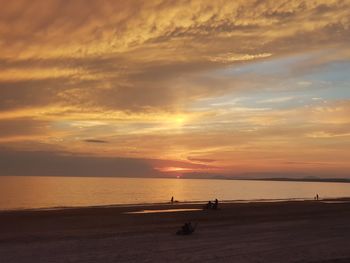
column 293, row 231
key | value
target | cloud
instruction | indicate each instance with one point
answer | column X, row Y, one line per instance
column 49, row 163
column 53, row 164
column 23, row 127
column 277, row 100
column 200, row 160
column 95, row 141
column 229, row 57
column 67, row 54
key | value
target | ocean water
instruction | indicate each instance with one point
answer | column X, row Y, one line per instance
column 29, row 192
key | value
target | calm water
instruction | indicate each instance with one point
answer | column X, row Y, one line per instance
column 45, row 192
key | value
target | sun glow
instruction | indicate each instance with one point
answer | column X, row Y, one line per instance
column 174, row 169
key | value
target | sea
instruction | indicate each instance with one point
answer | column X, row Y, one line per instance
column 47, row 192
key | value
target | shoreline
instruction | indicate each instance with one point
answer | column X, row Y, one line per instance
column 178, row 203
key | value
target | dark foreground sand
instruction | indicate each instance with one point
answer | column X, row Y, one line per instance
column 304, row 231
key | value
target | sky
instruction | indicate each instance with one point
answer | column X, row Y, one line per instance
column 245, row 88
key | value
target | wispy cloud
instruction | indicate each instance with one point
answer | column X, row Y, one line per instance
column 231, row 57
column 95, row 141
column 277, row 100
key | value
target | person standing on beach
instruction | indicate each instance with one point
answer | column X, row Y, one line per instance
column 172, row 200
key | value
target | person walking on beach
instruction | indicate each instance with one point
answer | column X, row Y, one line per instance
column 317, row 197
column 172, row 200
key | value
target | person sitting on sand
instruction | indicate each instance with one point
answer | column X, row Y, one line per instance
column 186, row 229
column 209, row 205
column 216, row 204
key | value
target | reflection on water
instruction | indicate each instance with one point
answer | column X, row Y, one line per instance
column 164, row 211
column 41, row 192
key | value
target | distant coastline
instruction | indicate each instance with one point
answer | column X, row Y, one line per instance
column 277, row 179
column 319, row 180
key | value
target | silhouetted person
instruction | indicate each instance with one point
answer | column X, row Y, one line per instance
column 216, row 204
column 209, row 205
column 172, row 200
column 317, row 197
column 186, row 229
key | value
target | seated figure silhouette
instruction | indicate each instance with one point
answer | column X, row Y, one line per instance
column 209, row 205
column 216, row 204
column 212, row 205
column 186, row 229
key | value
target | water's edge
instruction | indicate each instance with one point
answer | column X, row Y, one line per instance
column 238, row 201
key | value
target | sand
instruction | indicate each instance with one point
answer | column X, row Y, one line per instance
column 298, row 231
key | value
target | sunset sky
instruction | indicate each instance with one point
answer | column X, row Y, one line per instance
column 150, row 88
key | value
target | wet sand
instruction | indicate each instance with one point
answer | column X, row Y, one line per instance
column 294, row 231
